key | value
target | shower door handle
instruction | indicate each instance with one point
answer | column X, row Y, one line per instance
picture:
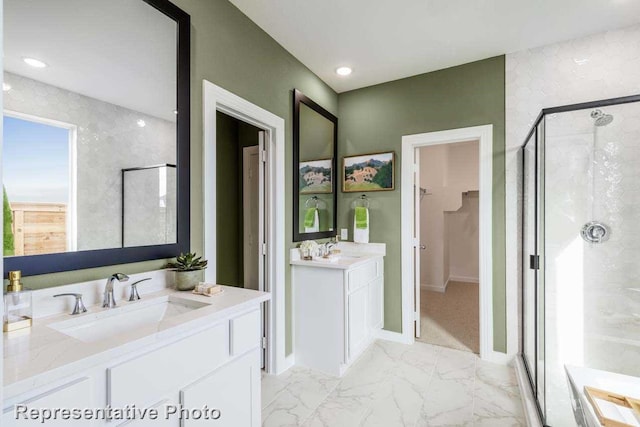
column 534, row 262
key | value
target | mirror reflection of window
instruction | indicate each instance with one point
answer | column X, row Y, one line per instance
column 38, row 186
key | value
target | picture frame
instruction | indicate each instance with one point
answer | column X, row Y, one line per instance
column 369, row 172
column 316, row 176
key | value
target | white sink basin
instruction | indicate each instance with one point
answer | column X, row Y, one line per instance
column 132, row 316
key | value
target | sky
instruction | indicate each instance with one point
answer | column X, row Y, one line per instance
column 35, row 161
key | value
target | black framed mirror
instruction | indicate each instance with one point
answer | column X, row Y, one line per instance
column 96, row 133
column 315, row 173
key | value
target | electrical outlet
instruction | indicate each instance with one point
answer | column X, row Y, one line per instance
column 344, row 233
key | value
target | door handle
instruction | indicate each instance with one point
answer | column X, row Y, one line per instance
column 423, row 247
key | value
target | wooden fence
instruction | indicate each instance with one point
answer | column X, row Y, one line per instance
column 39, row 228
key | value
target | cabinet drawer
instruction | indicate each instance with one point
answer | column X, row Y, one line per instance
column 146, row 378
column 362, row 275
column 76, row 394
column 245, row 332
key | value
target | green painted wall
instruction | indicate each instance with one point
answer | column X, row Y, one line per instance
column 231, row 136
column 228, row 49
column 375, row 119
column 234, row 53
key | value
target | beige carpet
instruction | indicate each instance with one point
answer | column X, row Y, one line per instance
column 450, row 319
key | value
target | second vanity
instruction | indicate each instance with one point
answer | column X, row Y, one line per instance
column 338, row 306
column 169, row 351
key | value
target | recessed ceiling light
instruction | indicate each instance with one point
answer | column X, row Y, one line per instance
column 580, row 61
column 36, row 63
column 343, row 71
column 6, row 87
column 141, row 123
column 175, row 111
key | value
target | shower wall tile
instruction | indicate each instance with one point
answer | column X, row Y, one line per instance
column 108, row 140
column 550, row 76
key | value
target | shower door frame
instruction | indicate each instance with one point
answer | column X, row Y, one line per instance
column 539, row 227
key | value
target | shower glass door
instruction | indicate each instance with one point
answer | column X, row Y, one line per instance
column 532, row 280
column 580, row 249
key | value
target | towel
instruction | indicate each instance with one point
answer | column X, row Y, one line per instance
column 311, row 221
column 361, row 225
column 361, row 217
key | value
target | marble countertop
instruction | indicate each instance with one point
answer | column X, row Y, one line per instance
column 42, row 355
column 343, row 262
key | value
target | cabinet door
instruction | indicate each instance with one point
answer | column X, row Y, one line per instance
column 233, row 389
column 77, row 394
column 376, row 301
column 166, row 417
column 358, row 321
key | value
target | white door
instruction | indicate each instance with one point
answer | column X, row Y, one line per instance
column 416, row 239
column 250, row 225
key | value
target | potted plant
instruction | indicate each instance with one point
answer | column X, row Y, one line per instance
column 188, row 268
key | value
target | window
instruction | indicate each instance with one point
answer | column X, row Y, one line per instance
column 39, row 186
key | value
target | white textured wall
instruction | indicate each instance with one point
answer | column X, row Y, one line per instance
column 108, row 141
column 600, row 66
column 463, row 237
column 446, row 228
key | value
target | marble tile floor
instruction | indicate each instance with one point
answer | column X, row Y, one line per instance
column 397, row 385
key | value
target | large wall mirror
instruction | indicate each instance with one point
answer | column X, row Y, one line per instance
column 315, row 136
column 96, row 133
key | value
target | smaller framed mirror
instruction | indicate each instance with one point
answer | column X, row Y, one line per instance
column 315, row 171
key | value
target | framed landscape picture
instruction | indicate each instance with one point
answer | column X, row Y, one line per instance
column 369, row 172
column 316, row 176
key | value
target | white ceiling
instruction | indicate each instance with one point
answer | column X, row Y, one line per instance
column 118, row 51
column 385, row 40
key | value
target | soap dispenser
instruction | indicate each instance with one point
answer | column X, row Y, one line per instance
column 18, row 310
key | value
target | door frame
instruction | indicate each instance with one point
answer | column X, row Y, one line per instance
column 217, row 99
column 483, row 134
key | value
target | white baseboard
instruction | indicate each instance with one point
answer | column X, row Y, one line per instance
column 424, row 287
column 392, row 336
column 498, row 357
column 528, row 401
column 465, row 279
column 289, row 361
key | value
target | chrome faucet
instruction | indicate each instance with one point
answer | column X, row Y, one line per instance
column 134, row 295
column 327, row 247
column 109, row 300
column 79, row 305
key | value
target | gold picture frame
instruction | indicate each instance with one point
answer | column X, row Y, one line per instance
column 363, row 173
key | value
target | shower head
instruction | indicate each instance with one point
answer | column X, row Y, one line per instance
column 600, row 118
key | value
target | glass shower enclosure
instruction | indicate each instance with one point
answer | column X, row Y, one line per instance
column 149, row 215
column 580, row 259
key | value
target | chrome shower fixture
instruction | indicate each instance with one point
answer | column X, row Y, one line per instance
column 600, row 118
column 595, row 232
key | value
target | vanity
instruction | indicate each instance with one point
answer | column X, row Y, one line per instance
column 338, row 306
column 168, row 351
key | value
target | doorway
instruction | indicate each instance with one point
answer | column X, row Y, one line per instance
column 240, row 260
column 218, row 100
column 448, row 216
column 410, row 232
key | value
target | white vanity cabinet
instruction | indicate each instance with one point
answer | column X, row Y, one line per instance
column 214, row 365
column 78, row 391
column 338, row 310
